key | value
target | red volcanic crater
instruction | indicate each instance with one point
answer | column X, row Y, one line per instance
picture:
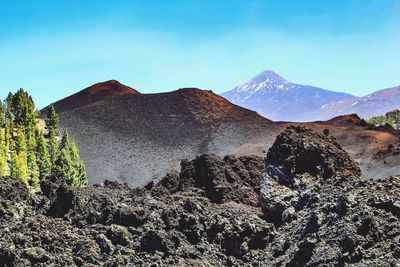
column 95, row 93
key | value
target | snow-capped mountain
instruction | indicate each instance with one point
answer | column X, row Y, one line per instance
column 374, row 104
column 278, row 99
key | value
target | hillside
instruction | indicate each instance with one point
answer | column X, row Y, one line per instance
column 135, row 137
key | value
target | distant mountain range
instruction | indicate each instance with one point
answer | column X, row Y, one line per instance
column 280, row 100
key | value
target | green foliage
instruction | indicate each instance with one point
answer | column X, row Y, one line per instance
column 19, row 159
column 33, row 169
column 26, row 153
column 68, row 164
column 23, row 109
column 3, row 154
column 53, row 121
column 43, row 156
column 392, row 118
column 53, row 146
column 2, row 114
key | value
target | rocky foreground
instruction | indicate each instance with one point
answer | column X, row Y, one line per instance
column 304, row 205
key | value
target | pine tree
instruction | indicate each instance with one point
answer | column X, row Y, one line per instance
column 3, row 144
column 69, row 164
column 81, row 176
column 19, row 159
column 53, row 121
column 64, row 140
column 63, row 167
column 42, row 155
column 32, row 157
column 53, row 124
column 33, row 169
column 391, row 117
column 53, row 147
column 3, row 153
column 2, row 114
column 9, row 123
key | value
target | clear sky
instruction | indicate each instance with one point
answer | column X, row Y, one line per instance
column 55, row 48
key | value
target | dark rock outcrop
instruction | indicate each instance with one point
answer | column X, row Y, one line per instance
column 214, row 212
column 299, row 151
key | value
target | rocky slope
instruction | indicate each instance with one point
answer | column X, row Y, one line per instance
column 131, row 137
column 122, row 136
column 282, row 210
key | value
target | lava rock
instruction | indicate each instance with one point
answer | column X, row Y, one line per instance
column 299, row 150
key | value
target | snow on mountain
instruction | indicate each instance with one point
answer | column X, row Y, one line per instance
column 278, row 99
column 371, row 105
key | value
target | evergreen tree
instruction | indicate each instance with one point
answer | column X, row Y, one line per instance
column 23, row 109
column 53, row 121
column 32, row 157
column 2, row 114
column 391, row 117
column 19, row 159
column 3, row 153
column 9, row 123
column 64, row 140
column 33, row 169
column 8, row 132
column 80, row 174
column 53, row 124
column 42, row 155
column 53, row 147
column 68, row 164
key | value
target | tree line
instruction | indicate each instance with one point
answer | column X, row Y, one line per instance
column 32, row 151
column 392, row 118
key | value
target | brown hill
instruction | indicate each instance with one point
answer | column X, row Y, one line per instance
column 131, row 137
column 93, row 94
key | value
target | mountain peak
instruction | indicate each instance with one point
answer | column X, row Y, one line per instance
column 274, row 97
column 265, row 80
column 270, row 75
column 94, row 93
column 109, row 88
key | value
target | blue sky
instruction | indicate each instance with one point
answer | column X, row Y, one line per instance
column 55, row 48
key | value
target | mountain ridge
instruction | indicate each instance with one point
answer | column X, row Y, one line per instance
column 278, row 99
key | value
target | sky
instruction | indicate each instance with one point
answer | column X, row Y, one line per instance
column 55, row 48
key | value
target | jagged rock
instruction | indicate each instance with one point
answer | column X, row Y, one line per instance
column 275, row 199
column 104, row 243
column 214, row 212
column 154, row 241
column 299, row 150
column 7, row 257
column 11, row 188
column 228, row 179
column 119, row 235
column 35, row 255
column 62, row 203
column 303, row 253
